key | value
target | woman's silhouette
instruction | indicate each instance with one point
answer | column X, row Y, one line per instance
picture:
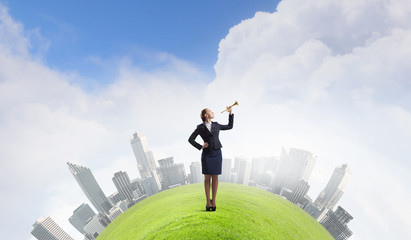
column 211, row 157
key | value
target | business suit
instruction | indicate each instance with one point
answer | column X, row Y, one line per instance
column 211, row 158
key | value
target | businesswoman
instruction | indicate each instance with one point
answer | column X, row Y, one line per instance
column 211, row 158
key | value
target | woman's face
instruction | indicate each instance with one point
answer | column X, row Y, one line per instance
column 210, row 114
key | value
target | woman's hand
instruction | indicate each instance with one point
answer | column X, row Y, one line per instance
column 230, row 110
column 205, row 145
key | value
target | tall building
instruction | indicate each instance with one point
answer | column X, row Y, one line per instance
column 171, row 173
column 90, row 187
column 47, row 229
column 145, row 159
column 116, row 197
column 244, row 171
column 226, row 170
column 332, row 193
column 123, row 185
column 301, row 167
column 295, row 166
column 80, row 216
column 296, row 196
column 93, row 227
column 278, row 181
column 336, row 223
column 149, row 186
column 257, row 167
column 196, row 175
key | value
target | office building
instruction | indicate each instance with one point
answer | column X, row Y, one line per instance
column 149, row 186
column 123, row 185
column 116, row 197
column 336, row 223
column 244, row 171
column 145, row 159
column 80, row 217
column 47, row 229
column 301, row 167
column 93, row 227
column 296, row 196
column 225, row 170
column 332, row 193
column 295, row 166
column 90, row 187
column 312, row 209
column 278, row 181
column 171, row 174
column 196, row 175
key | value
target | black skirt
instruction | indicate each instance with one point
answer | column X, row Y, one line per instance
column 211, row 161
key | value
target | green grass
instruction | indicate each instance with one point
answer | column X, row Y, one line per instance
column 242, row 213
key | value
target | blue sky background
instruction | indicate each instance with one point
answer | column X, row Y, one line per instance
column 78, row 30
column 328, row 76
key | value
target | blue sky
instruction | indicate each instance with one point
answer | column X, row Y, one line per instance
column 76, row 30
column 328, row 76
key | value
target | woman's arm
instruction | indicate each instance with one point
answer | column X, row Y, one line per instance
column 230, row 123
column 192, row 138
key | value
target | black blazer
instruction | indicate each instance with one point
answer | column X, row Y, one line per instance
column 210, row 137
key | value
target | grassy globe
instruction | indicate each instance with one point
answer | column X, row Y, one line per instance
column 242, row 213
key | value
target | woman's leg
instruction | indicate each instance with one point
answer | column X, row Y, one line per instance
column 207, row 179
column 215, row 187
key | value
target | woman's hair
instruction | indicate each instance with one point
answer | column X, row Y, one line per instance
column 203, row 112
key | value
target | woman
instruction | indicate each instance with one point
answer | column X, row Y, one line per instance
column 211, row 157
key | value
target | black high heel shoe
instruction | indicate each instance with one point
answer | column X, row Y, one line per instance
column 208, row 208
column 212, row 208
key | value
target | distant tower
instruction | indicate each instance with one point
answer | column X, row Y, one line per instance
column 332, row 193
column 244, row 171
column 301, row 167
column 226, row 170
column 278, row 181
column 145, row 160
column 336, row 223
column 294, row 167
column 171, row 174
column 123, row 184
column 196, row 175
column 90, row 187
column 80, row 217
column 47, row 229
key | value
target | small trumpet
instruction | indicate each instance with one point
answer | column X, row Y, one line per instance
column 236, row 103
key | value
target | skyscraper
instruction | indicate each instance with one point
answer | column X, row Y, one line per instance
column 196, row 175
column 336, row 223
column 47, row 229
column 80, row 217
column 295, row 166
column 171, row 173
column 301, row 167
column 145, row 160
column 244, row 171
column 90, row 187
column 332, row 193
column 278, row 181
column 226, row 170
column 123, row 185
column 297, row 195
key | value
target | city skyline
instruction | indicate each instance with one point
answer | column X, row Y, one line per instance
column 288, row 177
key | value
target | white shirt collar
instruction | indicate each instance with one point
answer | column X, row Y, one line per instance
column 208, row 125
